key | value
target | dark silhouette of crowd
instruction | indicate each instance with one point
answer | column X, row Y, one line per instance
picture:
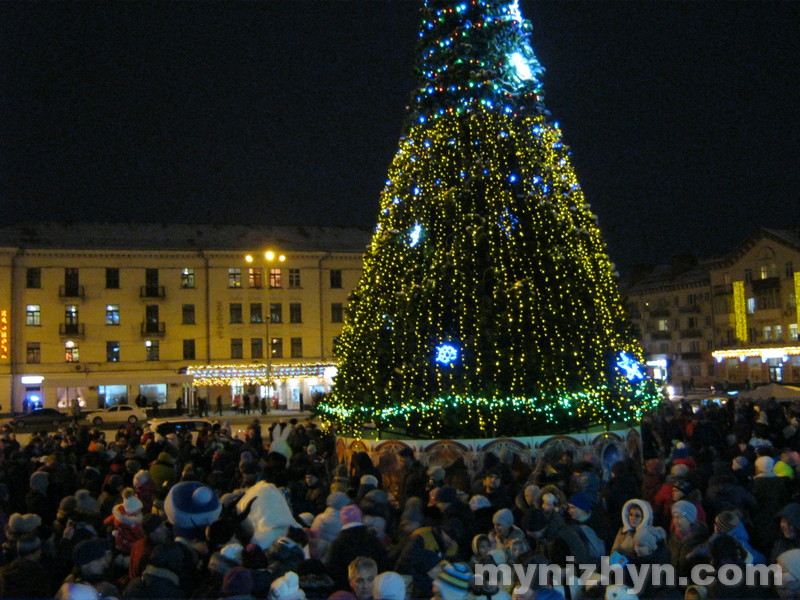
column 82, row 513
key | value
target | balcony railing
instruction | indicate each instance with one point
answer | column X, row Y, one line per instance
column 692, row 308
column 661, row 335
column 659, row 312
column 71, row 291
column 154, row 329
column 722, row 289
column 770, row 283
column 152, row 291
column 71, row 329
column 691, row 355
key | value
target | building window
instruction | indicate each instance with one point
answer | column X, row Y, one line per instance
column 234, row 277
column 112, row 279
column 275, row 280
column 791, row 301
column 294, row 278
column 748, row 275
column 236, row 312
column 188, row 350
column 112, row 351
column 297, row 347
column 663, row 347
column 71, row 352
column 793, row 332
column 663, row 324
column 112, row 314
column 694, row 346
column 277, row 347
column 256, row 316
column 187, row 278
column 236, row 348
column 295, row 312
column 256, row 347
column 151, row 350
column 788, row 270
column 33, row 278
column 33, row 355
column 337, row 312
column 33, row 315
column 71, row 282
column 187, row 314
column 778, row 333
column 276, row 313
column 254, row 279
column 336, row 279
column 751, row 306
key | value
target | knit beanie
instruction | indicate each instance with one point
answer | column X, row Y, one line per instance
column 141, row 478
column 685, row 509
column 446, row 494
column 337, row 500
column 39, row 481
column 389, row 586
column 237, row 582
column 351, row 514
column 67, row 504
column 28, row 543
column 368, row 480
column 478, row 502
column 503, row 517
column 286, row 588
column 790, row 561
column 454, row 580
column 131, row 503
column 726, row 522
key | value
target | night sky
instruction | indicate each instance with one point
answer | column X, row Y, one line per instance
column 682, row 116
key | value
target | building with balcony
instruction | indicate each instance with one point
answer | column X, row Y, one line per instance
column 111, row 313
column 724, row 321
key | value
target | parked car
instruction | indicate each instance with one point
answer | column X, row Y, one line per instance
column 40, row 418
column 169, row 425
column 121, row 413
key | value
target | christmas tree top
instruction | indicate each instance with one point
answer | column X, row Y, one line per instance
column 487, row 304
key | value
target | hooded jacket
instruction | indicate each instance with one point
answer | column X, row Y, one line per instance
column 623, row 542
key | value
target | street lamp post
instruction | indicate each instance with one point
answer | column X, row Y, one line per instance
column 270, row 257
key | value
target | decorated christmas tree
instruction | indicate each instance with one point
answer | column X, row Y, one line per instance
column 488, row 304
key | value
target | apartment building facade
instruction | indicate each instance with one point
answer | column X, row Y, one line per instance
column 729, row 321
column 118, row 313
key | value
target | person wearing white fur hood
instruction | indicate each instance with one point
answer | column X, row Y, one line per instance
column 635, row 513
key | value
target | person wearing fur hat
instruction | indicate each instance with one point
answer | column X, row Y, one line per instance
column 686, row 533
column 353, row 540
column 481, row 546
column 284, row 555
column 649, row 548
column 25, row 577
column 145, row 489
column 635, row 512
column 286, row 587
column 161, row 578
column 126, row 520
column 38, row 500
column 92, row 562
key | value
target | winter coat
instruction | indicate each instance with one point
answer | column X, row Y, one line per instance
column 155, row 582
column 423, row 551
column 770, row 493
column 23, row 578
column 146, row 492
column 515, row 533
column 623, row 542
column 162, row 471
column 681, row 547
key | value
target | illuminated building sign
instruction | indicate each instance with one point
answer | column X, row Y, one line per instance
column 4, row 343
column 255, row 374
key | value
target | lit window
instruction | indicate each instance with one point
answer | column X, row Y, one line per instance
column 235, row 277
column 751, row 306
column 256, row 315
column 33, row 315
column 275, row 280
column 277, row 347
column 34, row 353
column 71, row 352
column 187, row 278
column 254, row 278
column 276, row 313
column 151, row 350
column 112, row 351
column 112, row 314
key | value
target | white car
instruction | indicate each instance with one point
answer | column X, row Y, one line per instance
column 121, row 413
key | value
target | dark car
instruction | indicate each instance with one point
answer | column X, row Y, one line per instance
column 40, row 418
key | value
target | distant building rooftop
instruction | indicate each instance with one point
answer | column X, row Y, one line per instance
column 170, row 236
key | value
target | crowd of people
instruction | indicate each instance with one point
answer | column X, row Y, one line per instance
column 82, row 516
